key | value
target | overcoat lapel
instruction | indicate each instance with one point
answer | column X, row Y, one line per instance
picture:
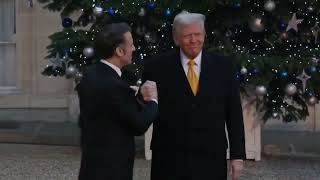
column 204, row 80
column 181, row 81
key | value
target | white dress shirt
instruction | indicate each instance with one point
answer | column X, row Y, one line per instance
column 197, row 60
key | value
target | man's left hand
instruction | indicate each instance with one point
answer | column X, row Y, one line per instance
column 236, row 167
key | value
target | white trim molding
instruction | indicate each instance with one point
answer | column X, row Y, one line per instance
column 9, row 90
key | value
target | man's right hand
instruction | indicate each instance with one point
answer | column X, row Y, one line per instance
column 149, row 91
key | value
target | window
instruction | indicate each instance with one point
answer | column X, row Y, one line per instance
column 7, row 45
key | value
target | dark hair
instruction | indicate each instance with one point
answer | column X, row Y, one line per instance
column 109, row 38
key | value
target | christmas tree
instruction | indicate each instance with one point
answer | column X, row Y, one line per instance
column 274, row 44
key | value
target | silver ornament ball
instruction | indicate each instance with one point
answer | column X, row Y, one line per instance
column 78, row 76
column 291, row 89
column 71, row 72
column 147, row 37
column 98, row 11
column 315, row 61
column 275, row 114
column 243, row 70
column 142, row 12
column 228, row 33
column 256, row 24
column 138, row 83
column 310, row 8
column 269, row 5
column 88, row 52
column 261, row 90
column 312, row 100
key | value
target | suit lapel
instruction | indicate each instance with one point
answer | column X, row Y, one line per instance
column 180, row 76
column 204, row 80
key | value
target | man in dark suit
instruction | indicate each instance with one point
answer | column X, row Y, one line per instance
column 198, row 95
column 109, row 113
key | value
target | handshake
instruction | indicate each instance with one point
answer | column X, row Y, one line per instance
column 148, row 91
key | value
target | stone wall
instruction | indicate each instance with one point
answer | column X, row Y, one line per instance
column 34, row 25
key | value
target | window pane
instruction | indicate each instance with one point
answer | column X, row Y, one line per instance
column 7, row 65
column 7, row 20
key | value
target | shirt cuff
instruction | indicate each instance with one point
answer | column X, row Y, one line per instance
column 155, row 100
column 240, row 160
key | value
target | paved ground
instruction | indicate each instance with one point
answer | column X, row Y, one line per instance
column 41, row 162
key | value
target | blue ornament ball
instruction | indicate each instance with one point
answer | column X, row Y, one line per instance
column 282, row 26
column 152, row 5
column 240, row 77
column 168, row 12
column 254, row 71
column 311, row 70
column 111, row 11
column 236, row 6
column 284, row 74
column 67, row 51
column 67, row 22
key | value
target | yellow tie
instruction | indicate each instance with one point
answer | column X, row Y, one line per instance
column 192, row 77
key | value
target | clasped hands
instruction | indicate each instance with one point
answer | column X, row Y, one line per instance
column 148, row 91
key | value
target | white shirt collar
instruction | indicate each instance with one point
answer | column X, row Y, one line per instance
column 118, row 70
column 185, row 60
